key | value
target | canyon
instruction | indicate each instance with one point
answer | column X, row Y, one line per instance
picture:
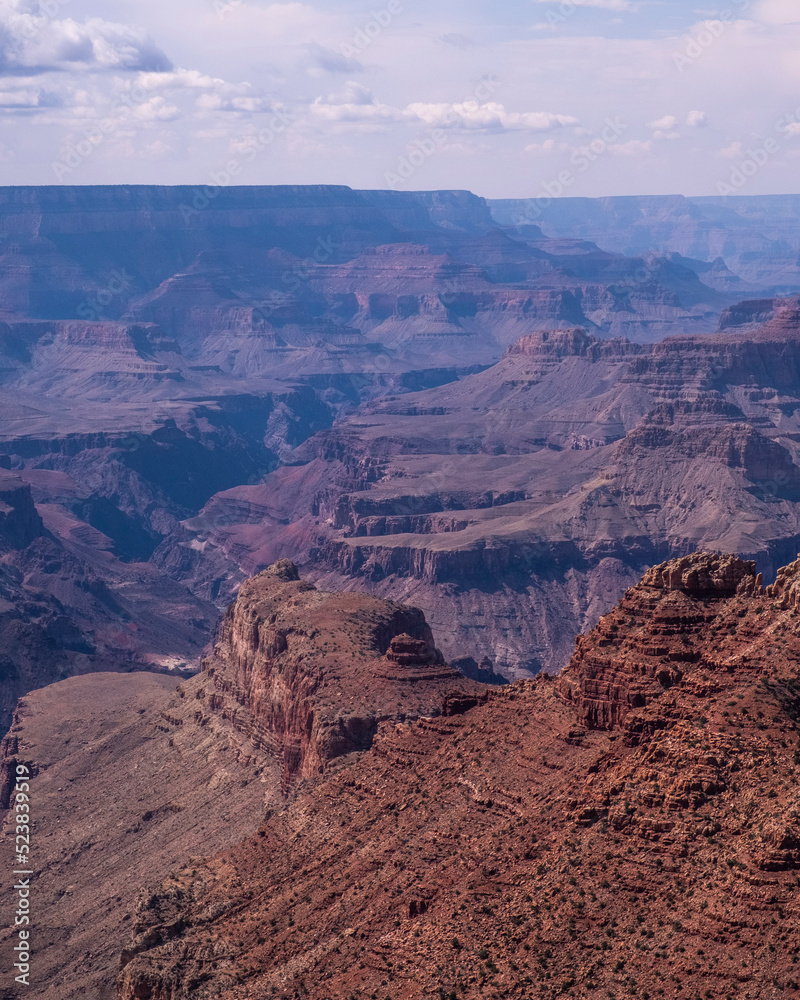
column 515, row 505
column 305, row 494
column 416, row 393
column 631, row 826
column 747, row 241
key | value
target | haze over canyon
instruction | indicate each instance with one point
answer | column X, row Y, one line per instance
column 306, row 496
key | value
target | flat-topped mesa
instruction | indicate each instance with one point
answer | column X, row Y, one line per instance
column 572, row 343
column 309, row 675
column 406, row 651
column 689, row 625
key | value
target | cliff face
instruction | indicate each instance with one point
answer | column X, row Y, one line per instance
column 308, row 676
column 40, row 636
column 644, row 804
column 270, row 273
column 20, row 522
column 171, row 378
column 128, row 786
column 662, row 630
column 158, row 358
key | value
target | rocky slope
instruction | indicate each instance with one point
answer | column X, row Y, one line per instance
column 127, row 789
column 630, row 829
column 517, row 504
column 318, row 278
column 132, row 776
column 68, row 606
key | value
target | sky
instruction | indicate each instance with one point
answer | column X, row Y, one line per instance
column 516, row 99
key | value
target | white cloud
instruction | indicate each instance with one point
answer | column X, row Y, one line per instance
column 548, row 146
column 190, row 79
column 74, row 72
column 664, row 124
column 155, row 110
column 32, row 44
column 355, row 103
column 491, row 116
column 157, row 149
column 778, row 11
column 221, row 102
column 634, row 147
column 352, row 93
column 324, row 60
column 732, row 152
column 19, row 98
column 218, row 94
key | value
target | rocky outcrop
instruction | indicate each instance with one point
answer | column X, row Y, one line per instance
column 785, row 591
column 158, row 361
column 184, row 374
column 575, row 343
column 299, row 684
column 309, row 676
column 20, row 522
column 749, row 244
column 649, row 642
column 701, row 575
column 530, row 495
column 406, row 651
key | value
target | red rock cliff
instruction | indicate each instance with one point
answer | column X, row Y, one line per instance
column 309, row 675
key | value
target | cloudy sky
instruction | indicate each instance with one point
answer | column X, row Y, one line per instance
column 508, row 99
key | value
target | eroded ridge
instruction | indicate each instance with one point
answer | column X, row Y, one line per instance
column 632, row 828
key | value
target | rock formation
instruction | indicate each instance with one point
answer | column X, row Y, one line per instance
column 154, row 358
column 298, row 686
column 630, row 829
column 750, row 242
column 309, row 676
column 191, row 398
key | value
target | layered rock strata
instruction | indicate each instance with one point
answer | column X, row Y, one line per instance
column 516, row 505
column 630, row 829
column 309, row 675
